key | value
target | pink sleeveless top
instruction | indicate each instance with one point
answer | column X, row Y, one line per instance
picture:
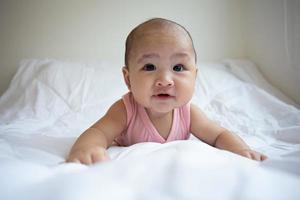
column 140, row 128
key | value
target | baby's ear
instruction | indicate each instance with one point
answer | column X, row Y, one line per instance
column 197, row 72
column 125, row 71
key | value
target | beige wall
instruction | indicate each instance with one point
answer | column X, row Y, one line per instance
column 96, row 29
column 273, row 42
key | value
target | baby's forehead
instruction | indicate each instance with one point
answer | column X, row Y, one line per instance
column 159, row 28
column 155, row 35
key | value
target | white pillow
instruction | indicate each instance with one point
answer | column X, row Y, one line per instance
column 44, row 92
column 248, row 72
column 212, row 79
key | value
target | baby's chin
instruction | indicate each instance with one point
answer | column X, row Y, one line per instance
column 162, row 108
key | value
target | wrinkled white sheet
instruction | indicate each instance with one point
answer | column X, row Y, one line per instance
column 49, row 103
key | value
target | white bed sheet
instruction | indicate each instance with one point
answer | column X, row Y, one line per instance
column 50, row 102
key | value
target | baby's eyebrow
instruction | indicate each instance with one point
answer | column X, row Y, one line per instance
column 150, row 55
column 180, row 54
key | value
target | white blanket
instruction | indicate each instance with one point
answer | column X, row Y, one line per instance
column 49, row 103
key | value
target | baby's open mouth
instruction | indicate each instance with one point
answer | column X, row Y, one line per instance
column 163, row 95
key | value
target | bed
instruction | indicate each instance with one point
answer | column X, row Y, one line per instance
column 49, row 103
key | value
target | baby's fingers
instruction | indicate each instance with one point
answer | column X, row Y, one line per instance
column 100, row 156
column 246, row 154
column 252, row 155
column 258, row 156
column 255, row 156
column 87, row 159
column 73, row 160
column 83, row 159
column 263, row 157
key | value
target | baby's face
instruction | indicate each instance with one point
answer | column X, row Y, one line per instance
column 162, row 70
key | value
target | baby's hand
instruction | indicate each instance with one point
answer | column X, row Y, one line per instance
column 88, row 155
column 248, row 153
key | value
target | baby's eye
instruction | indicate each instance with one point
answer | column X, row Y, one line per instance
column 149, row 67
column 178, row 68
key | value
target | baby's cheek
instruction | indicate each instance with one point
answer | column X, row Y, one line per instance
column 187, row 90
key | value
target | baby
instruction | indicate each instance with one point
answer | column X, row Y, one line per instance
column 160, row 72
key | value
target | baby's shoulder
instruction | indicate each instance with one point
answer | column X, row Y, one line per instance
column 196, row 110
column 117, row 107
column 117, row 110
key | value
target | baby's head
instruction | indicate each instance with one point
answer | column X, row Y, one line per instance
column 160, row 65
column 152, row 25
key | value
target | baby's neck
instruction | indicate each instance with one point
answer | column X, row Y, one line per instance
column 158, row 115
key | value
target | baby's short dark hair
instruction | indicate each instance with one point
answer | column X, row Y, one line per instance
column 130, row 38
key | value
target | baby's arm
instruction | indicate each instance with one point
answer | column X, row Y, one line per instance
column 91, row 146
column 217, row 136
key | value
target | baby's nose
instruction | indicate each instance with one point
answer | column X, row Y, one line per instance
column 164, row 80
